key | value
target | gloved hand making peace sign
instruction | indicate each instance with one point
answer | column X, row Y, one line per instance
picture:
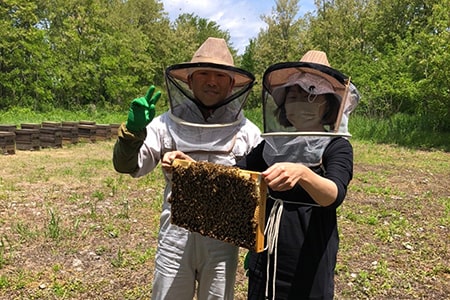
column 142, row 110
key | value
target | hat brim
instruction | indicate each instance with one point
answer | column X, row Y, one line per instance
column 313, row 84
column 278, row 74
column 183, row 70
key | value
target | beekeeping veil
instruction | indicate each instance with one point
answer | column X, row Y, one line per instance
column 315, row 76
column 190, row 130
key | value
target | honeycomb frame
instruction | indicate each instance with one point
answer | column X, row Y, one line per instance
column 221, row 202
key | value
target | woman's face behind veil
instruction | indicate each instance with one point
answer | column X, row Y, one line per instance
column 303, row 110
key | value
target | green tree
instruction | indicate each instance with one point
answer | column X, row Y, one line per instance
column 24, row 56
column 429, row 56
column 283, row 39
column 76, row 32
column 189, row 32
column 105, row 50
column 248, row 63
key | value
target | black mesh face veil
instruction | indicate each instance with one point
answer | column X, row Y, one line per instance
column 286, row 143
column 315, row 79
column 185, row 106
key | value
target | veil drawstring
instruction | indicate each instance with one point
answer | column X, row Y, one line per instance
column 271, row 233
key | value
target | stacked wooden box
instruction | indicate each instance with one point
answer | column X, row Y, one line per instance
column 27, row 137
column 30, row 126
column 69, row 132
column 8, row 127
column 50, row 135
column 87, row 131
column 8, row 139
column 34, row 136
column 103, row 132
column 114, row 130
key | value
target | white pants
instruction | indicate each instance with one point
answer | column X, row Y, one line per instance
column 184, row 258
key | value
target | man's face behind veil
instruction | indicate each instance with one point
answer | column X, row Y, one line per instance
column 210, row 87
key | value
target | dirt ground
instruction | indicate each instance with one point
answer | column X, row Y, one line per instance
column 73, row 228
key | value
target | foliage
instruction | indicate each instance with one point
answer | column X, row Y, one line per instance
column 25, row 56
column 400, row 129
column 395, row 52
column 19, row 115
column 69, row 54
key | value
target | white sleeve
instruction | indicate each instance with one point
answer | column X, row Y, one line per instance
column 254, row 136
column 150, row 152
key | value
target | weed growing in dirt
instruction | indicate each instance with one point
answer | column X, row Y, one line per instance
column 73, row 228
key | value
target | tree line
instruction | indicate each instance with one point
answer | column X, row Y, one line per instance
column 73, row 53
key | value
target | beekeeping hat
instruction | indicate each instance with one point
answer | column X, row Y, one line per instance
column 312, row 73
column 190, row 129
column 212, row 54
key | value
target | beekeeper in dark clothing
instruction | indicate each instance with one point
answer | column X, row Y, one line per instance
column 306, row 160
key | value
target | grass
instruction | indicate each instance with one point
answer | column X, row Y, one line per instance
column 73, row 228
column 414, row 132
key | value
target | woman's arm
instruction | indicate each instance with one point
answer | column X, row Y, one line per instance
column 284, row 176
column 326, row 190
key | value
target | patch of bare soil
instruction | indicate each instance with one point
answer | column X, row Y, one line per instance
column 394, row 228
column 73, row 228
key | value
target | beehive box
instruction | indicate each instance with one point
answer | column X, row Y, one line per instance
column 103, row 132
column 30, row 125
column 8, row 127
column 27, row 139
column 87, row 131
column 114, row 130
column 221, row 202
column 69, row 132
column 51, row 124
column 50, row 137
column 7, row 142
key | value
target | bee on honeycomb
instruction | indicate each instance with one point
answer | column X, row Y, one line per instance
column 216, row 201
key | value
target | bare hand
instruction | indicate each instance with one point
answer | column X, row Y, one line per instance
column 283, row 176
column 169, row 157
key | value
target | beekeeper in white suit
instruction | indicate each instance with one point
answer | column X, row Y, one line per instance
column 206, row 122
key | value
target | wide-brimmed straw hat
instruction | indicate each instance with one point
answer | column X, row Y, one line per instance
column 212, row 54
column 312, row 73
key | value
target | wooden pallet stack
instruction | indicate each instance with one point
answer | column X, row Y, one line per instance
column 87, row 131
column 8, row 139
column 30, row 126
column 114, row 130
column 103, row 132
column 70, row 132
column 27, row 137
column 8, row 127
column 50, row 135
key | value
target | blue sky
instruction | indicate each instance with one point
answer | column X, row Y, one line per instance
column 240, row 17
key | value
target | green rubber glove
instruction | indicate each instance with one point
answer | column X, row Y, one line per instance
column 142, row 110
column 246, row 262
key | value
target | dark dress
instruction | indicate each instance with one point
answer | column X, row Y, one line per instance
column 308, row 238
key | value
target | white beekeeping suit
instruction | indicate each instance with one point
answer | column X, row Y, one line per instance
column 222, row 137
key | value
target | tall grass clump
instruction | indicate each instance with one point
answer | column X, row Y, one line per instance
column 18, row 115
column 400, row 129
